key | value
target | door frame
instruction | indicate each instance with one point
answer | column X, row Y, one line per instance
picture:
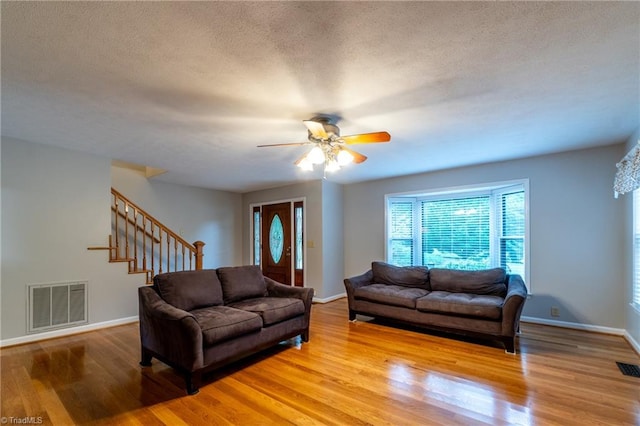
column 292, row 201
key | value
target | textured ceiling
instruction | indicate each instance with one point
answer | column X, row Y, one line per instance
column 194, row 87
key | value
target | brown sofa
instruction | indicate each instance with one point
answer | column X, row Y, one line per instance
column 485, row 303
column 196, row 321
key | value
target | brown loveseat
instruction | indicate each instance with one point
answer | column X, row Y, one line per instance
column 196, row 321
column 485, row 303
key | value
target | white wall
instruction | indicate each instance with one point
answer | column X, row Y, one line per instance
column 632, row 315
column 56, row 203
column 332, row 239
column 213, row 217
column 577, row 235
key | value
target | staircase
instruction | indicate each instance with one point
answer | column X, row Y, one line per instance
column 145, row 244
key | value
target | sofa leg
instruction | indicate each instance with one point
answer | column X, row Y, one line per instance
column 352, row 315
column 305, row 336
column 510, row 345
column 192, row 383
column 145, row 359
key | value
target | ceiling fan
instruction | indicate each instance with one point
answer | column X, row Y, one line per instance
column 329, row 147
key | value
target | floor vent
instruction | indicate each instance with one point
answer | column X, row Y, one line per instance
column 629, row 369
column 56, row 305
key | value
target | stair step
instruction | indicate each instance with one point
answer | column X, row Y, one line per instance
column 122, row 259
column 140, row 271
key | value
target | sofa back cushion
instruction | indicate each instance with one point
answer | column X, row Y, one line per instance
column 407, row 276
column 242, row 282
column 188, row 290
column 487, row 281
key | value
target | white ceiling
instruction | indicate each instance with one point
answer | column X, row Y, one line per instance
column 193, row 87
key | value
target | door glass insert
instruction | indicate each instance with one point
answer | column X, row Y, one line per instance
column 276, row 238
column 256, row 236
column 298, row 224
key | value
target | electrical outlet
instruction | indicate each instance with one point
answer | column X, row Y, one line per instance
column 555, row 311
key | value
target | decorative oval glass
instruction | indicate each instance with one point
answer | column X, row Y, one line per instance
column 276, row 238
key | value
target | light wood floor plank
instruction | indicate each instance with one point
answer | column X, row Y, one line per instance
column 350, row 373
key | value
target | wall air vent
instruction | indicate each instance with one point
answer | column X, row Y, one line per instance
column 56, row 305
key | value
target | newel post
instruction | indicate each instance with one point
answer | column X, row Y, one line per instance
column 198, row 254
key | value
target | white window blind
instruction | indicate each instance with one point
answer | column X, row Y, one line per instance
column 401, row 244
column 636, row 248
column 456, row 233
column 512, row 231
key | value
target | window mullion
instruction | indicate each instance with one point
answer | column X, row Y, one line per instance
column 495, row 218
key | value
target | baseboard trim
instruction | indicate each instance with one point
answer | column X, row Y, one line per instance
column 576, row 326
column 329, row 299
column 65, row 332
column 635, row 345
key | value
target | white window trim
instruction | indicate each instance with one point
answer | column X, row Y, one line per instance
column 468, row 190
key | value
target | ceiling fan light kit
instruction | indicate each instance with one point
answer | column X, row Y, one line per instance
column 332, row 156
column 316, row 155
column 329, row 147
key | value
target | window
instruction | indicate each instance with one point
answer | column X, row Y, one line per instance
column 297, row 215
column 471, row 228
column 256, row 235
column 401, row 233
column 636, row 249
column 455, row 233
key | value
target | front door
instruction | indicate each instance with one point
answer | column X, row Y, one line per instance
column 276, row 242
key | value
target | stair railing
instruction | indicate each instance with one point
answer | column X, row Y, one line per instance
column 148, row 246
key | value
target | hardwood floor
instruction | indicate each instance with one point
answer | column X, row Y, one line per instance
column 348, row 374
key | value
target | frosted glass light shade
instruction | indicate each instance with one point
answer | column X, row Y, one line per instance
column 305, row 164
column 331, row 166
column 344, row 157
column 316, row 156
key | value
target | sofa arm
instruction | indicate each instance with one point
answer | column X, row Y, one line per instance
column 169, row 332
column 513, row 304
column 351, row 284
column 359, row 280
column 276, row 289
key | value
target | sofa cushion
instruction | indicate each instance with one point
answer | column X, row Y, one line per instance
column 242, row 282
column 407, row 276
column 189, row 290
column 219, row 323
column 389, row 294
column 474, row 305
column 272, row 309
column 488, row 281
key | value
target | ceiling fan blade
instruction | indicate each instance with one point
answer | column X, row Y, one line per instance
column 366, row 138
column 357, row 157
column 316, row 129
column 299, row 160
column 284, row 144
